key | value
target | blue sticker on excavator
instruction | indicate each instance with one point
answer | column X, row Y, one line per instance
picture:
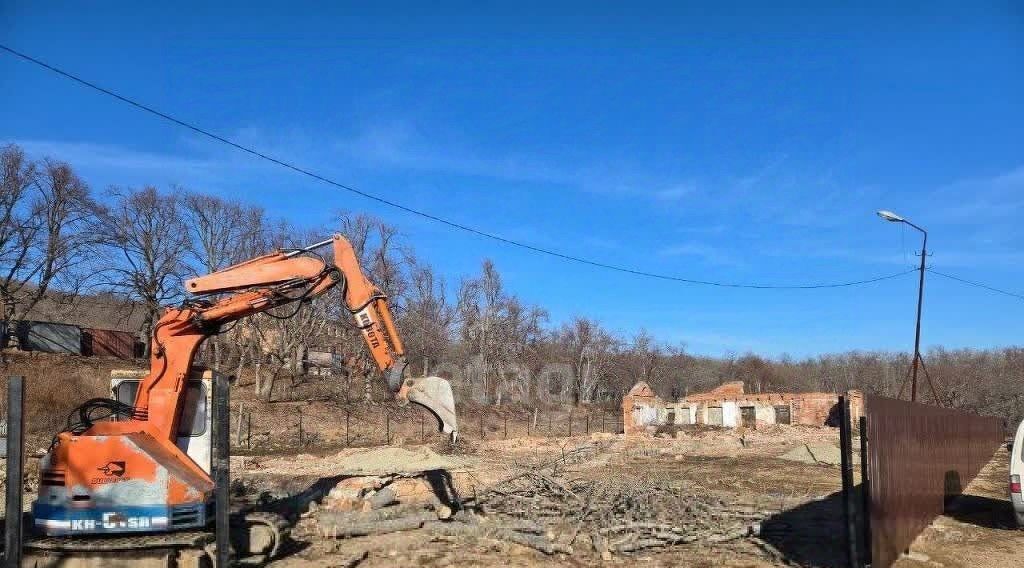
column 57, row 520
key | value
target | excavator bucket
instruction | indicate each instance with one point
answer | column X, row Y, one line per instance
column 434, row 394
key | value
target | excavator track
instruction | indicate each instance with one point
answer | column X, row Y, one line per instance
column 119, row 543
column 256, row 538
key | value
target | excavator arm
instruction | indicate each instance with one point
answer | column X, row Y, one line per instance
column 266, row 282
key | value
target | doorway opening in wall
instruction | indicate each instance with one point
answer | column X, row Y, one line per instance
column 670, row 418
column 782, row 414
column 714, row 416
column 748, row 416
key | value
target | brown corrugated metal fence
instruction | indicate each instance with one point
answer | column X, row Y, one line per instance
column 919, row 455
column 108, row 343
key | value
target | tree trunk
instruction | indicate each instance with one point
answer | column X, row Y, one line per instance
column 243, row 355
column 147, row 329
column 499, row 385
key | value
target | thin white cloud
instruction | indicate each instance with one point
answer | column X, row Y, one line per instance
column 676, row 192
column 90, row 155
column 198, row 165
column 971, row 201
column 397, row 144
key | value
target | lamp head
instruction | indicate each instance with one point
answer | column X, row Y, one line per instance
column 890, row 216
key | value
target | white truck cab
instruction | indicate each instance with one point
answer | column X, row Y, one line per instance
column 1017, row 475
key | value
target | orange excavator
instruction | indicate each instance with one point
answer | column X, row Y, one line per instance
column 130, row 474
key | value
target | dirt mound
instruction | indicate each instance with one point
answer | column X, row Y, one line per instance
column 381, row 461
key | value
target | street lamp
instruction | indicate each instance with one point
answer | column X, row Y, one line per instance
column 894, row 218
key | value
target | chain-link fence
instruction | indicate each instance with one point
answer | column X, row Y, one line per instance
column 385, row 424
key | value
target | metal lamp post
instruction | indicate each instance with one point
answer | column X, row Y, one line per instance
column 894, row 218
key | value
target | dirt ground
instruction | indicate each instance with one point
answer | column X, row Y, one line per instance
column 784, row 480
column 798, row 500
column 792, row 505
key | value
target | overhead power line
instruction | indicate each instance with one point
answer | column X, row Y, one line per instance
column 976, row 284
column 424, row 214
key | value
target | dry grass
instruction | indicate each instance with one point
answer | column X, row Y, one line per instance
column 55, row 385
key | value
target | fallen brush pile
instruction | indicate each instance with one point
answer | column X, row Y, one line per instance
column 613, row 517
column 550, row 510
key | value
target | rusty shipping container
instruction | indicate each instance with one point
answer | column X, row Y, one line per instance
column 108, row 343
column 918, row 456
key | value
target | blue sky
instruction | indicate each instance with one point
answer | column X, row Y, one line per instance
column 748, row 142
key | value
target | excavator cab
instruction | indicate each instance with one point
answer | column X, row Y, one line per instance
column 195, row 429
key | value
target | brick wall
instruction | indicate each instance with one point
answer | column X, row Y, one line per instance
column 643, row 410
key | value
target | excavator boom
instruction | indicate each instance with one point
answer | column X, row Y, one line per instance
column 367, row 304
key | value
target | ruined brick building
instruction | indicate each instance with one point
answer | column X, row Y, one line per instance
column 730, row 406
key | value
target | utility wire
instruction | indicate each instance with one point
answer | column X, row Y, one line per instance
column 976, row 284
column 430, row 216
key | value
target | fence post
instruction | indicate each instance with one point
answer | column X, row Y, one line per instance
column 222, row 464
column 506, row 426
column 387, row 426
column 549, row 422
column 300, row 429
column 534, row 418
column 481, row 425
column 248, row 430
column 846, row 463
column 588, row 424
column 865, row 492
column 15, row 469
column 527, row 427
column 570, row 423
column 423, row 429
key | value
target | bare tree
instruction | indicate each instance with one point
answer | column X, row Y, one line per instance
column 645, row 356
column 519, row 332
column 498, row 331
column 16, row 223
column 588, row 348
column 377, row 245
column 149, row 242
column 283, row 336
column 221, row 232
column 47, row 228
column 427, row 321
